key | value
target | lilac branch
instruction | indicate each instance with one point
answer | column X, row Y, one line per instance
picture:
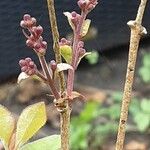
column 49, row 78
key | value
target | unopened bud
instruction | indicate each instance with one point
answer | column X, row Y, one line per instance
column 30, row 43
column 26, row 17
column 53, row 65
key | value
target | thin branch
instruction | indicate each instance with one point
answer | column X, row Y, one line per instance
column 49, row 79
column 74, row 62
column 65, row 127
column 40, row 75
column 65, row 115
column 137, row 30
column 55, row 35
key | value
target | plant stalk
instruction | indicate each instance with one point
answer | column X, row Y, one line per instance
column 65, row 128
column 49, row 79
column 74, row 62
column 55, row 35
column 137, row 30
column 64, row 115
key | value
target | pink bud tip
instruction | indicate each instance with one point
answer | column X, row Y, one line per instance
column 22, row 62
column 26, row 17
column 30, row 43
column 53, row 65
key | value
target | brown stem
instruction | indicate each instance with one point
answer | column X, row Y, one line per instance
column 55, row 35
column 65, row 115
column 40, row 75
column 136, row 31
column 49, row 79
column 65, row 126
column 76, row 40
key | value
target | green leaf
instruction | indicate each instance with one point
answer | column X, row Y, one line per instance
column 144, row 72
column 7, row 125
column 146, row 59
column 85, row 27
column 89, row 112
column 145, row 105
column 66, row 52
column 30, row 121
column 114, row 111
column 79, row 136
column 142, row 120
column 48, row 143
column 134, row 107
column 93, row 57
column 68, row 15
column 117, row 96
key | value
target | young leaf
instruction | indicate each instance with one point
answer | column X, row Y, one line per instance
column 48, row 143
column 30, row 121
column 7, row 125
column 63, row 66
column 66, row 52
column 93, row 58
column 86, row 54
column 68, row 15
column 85, row 27
column 22, row 76
column 76, row 94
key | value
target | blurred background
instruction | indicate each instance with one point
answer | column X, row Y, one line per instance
column 100, row 76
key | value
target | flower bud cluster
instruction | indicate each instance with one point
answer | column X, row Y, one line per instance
column 75, row 18
column 64, row 41
column 81, row 49
column 28, row 66
column 87, row 5
column 34, row 40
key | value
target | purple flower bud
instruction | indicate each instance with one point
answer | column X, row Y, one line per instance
column 87, row 5
column 82, row 51
column 30, row 43
column 53, row 65
column 28, row 59
column 81, row 44
column 44, row 44
column 90, row 7
column 63, row 41
column 37, row 30
column 37, row 46
column 22, row 62
column 23, row 24
column 26, row 17
column 28, row 66
column 34, row 40
column 33, row 20
column 74, row 14
column 31, row 64
column 82, row 4
column 23, row 69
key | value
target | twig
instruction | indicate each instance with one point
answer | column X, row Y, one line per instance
column 137, row 30
column 55, row 35
column 76, row 40
column 64, row 115
column 49, row 79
